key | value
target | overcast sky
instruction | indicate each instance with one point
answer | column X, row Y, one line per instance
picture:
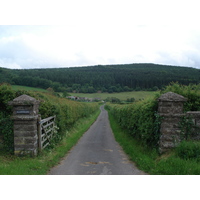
column 61, row 33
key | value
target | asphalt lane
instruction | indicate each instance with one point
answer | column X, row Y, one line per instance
column 97, row 153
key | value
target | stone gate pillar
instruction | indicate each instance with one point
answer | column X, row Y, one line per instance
column 25, row 116
column 170, row 108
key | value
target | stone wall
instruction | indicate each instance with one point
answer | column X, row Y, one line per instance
column 195, row 130
column 170, row 108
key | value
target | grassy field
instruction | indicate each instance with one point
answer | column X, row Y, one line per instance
column 122, row 95
column 20, row 87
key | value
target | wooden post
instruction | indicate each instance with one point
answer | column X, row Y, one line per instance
column 39, row 134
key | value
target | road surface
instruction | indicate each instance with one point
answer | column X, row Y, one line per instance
column 97, row 153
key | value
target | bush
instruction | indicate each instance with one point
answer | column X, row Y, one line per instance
column 6, row 125
column 67, row 112
column 6, row 131
column 191, row 92
column 188, row 150
column 6, row 94
column 140, row 119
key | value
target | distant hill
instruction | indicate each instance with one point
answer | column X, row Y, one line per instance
column 104, row 78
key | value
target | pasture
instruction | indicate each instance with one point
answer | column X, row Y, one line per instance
column 123, row 96
column 20, row 87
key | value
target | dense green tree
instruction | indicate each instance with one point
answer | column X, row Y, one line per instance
column 107, row 78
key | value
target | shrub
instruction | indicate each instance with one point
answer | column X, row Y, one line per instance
column 6, row 131
column 188, row 150
column 6, row 125
column 67, row 112
column 191, row 92
column 140, row 119
column 6, row 94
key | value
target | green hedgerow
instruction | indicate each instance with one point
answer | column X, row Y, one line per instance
column 188, row 150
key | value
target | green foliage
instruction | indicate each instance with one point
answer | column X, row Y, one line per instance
column 187, row 128
column 12, row 165
column 140, row 120
column 6, row 94
column 148, row 160
column 113, row 100
column 67, row 112
column 6, row 131
column 188, row 150
column 6, row 125
column 156, row 128
column 107, row 78
column 191, row 92
column 130, row 99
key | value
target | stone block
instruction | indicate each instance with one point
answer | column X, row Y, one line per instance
column 25, row 127
column 26, row 122
column 165, row 110
column 22, row 133
column 197, row 122
column 22, row 152
column 30, row 140
column 26, row 146
column 19, row 140
column 168, row 131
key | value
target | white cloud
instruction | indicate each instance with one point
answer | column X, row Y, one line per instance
column 101, row 32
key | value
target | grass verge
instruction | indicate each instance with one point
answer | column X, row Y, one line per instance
column 149, row 160
column 40, row 165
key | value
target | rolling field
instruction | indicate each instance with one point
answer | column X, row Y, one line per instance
column 20, row 87
column 122, row 95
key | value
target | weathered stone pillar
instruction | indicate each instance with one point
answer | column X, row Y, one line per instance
column 170, row 108
column 25, row 115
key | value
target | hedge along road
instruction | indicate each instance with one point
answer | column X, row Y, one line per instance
column 97, row 153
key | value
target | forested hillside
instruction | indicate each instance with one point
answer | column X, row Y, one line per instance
column 104, row 78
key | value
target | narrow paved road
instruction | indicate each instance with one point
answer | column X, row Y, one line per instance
column 97, row 153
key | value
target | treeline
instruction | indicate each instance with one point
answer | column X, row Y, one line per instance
column 104, row 78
